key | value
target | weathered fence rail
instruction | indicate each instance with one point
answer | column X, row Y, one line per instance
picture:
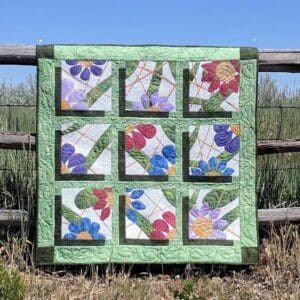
column 270, row 60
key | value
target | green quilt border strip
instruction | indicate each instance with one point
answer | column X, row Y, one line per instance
column 175, row 252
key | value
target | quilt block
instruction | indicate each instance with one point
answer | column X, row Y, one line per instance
column 146, row 154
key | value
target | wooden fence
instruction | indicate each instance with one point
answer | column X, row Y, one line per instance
column 270, row 60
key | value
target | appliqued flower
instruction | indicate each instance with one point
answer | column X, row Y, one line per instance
column 72, row 162
column 84, row 230
column 72, row 99
column 163, row 164
column 154, row 103
column 223, row 76
column 136, row 135
column 205, row 223
column 165, row 228
column 133, row 203
column 85, row 68
column 212, row 168
column 228, row 136
column 104, row 203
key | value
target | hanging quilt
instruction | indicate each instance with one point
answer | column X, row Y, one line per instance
column 146, row 154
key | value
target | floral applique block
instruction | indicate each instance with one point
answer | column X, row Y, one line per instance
column 150, row 214
column 214, row 150
column 214, row 86
column 86, row 214
column 86, row 85
column 150, row 150
column 150, row 86
column 85, row 150
column 213, row 215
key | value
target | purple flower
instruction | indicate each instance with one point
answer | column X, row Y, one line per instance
column 205, row 223
column 153, row 103
column 72, row 99
column 85, row 68
column 228, row 137
column 72, row 162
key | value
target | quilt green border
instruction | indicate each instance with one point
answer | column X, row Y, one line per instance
column 243, row 251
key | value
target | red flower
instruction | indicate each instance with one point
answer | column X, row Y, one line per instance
column 161, row 228
column 222, row 75
column 136, row 135
column 104, row 202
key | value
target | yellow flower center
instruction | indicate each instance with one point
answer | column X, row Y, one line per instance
column 127, row 201
column 64, row 169
column 129, row 128
column 225, row 71
column 65, row 104
column 84, row 235
column 202, row 227
column 85, row 64
column 171, row 170
column 152, row 108
column 109, row 199
column 172, row 234
column 235, row 129
column 212, row 173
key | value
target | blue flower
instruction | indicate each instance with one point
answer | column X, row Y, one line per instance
column 212, row 168
column 136, row 204
column 228, row 136
column 84, row 230
column 163, row 164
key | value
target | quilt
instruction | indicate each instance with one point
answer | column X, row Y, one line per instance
column 146, row 154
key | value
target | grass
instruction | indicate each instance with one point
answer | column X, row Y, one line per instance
column 278, row 177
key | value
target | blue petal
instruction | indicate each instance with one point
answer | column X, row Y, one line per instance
column 85, row 224
column 213, row 163
column 222, row 165
column 220, row 128
column 94, row 228
column 154, row 171
column 85, row 74
column 136, row 194
column 98, row 236
column 228, row 172
column 196, row 171
column 79, row 170
column 76, row 160
column 159, row 161
column 169, row 153
column 99, row 62
column 69, row 236
column 203, row 166
column 71, row 62
column 75, row 227
column 75, row 70
column 131, row 215
column 138, row 205
column 67, row 150
column 96, row 70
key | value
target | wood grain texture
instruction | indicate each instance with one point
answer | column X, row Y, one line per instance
column 18, row 55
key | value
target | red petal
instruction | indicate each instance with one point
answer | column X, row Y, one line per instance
column 99, row 205
column 170, row 218
column 108, row 189
column 139, row 141
column 208, row 77
column 148, row 130
column 236, row 65
column 234, row 86
column 100, row 194
column 160, row 225
column 128, row 142
column 237, row 78
column 105, row 213
column 215, row 84
column 210, row 67
column 224, row 89
column 157, row 235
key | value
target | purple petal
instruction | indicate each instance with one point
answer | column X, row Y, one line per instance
column 195, row 212
column 234, row 145
column 66, row 87
column 222, row 138
column 220, row 224
column 214, row 213
column 218, row 234
column 204, row 209
column 96, row 70
column 75, row 70
column 138, row 106
column 145, row 99
column 99, row 62
column 76, row 95
column 154, row 99
column 80, row 106
column 67, row 151
column 85, row 74
column 79, row 170
column 166, row 107
column 76, row 160
column 71, row 62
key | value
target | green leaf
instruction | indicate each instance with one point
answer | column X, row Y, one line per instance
column 232, row 215
column 98, row 148
column 73, row 127
column 214, row 103
column 85, row 199
column 140, row 157
column 170, row 195
column 144, row 223
column 219, row 198
column 170, row 132
column 193, row 71
column 131, row 66
column 156, row 78
column 193, row 137
column 193, row 199
column 70, row 215
column 94, row 94
column 225, row 156
column 193, row 163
